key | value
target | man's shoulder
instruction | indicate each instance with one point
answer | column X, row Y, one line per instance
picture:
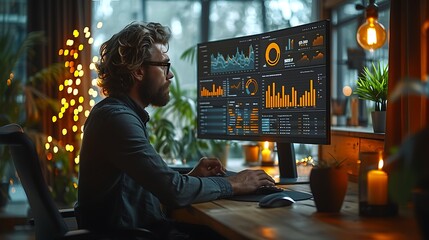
column 111, row 105
column 110, row 110
column 113, row 114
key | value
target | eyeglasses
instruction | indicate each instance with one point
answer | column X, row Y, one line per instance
column 166, row 65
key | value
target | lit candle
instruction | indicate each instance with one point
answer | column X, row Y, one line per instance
column 377, row 186
column 266, row 153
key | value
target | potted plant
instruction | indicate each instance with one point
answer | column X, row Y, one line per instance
column 328, row 184
column 408, row 167
column 10, row 107
column 219, row 149
column 372, row 86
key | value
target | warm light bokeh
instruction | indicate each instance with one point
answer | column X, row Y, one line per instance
column 75, row 104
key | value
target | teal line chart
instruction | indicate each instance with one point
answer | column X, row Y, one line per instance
column 231, row 63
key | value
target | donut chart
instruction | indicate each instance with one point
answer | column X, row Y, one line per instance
column 272, row 46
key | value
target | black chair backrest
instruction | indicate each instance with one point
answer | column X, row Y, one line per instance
column 48, row 222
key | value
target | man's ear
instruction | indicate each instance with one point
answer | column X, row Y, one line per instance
column 138, row 74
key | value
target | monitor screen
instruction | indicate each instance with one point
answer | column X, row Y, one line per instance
column 273, row 86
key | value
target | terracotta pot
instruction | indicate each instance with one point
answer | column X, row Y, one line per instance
column 329, row 186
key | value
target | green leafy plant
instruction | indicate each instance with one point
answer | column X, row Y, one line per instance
column 174, row 126
column 334, row 163
column 12, row 90
column 23, row 102
column 372, row 85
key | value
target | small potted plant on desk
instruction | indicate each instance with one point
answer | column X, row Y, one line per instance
column 328, row 184
column 372, row 86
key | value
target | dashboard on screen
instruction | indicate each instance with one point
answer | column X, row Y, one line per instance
column 272, row 86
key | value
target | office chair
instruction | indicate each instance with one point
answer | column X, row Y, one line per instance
column 48, row 221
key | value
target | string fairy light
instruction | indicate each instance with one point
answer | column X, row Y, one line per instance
column 75, row 104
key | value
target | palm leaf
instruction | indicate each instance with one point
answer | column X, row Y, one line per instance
column 189, row 54
column 372, row 85
column 12, row 91
column 9, row 56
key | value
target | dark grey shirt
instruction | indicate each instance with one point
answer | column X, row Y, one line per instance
column 122, row 179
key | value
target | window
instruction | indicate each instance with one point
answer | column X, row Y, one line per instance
column 194, row 21
column 186, row 18
column 14, row 25
column 346, row 52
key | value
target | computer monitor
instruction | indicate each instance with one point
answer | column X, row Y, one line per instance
column 273, row 86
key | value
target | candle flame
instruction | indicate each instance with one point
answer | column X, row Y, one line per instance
column 266, row 145
column 380, row 164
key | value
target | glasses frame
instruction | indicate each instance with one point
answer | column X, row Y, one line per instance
column 159, row 64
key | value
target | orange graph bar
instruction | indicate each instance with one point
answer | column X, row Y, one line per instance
column 293, row 92
column 280, row 99
column 216, row 91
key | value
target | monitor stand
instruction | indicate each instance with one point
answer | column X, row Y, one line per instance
column 287, row 165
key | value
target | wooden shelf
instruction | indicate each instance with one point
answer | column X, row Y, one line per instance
column 360, row 132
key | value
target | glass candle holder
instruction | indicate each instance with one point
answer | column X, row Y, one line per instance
column 267, row 154
column 251, row 154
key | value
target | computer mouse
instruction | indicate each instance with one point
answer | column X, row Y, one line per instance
column 273, row 200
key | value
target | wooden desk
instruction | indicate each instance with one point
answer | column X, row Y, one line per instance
column 14, row 213
column 245, row 220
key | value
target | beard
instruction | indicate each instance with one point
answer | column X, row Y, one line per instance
column 153, row 95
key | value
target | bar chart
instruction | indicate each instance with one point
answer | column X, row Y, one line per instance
column 289, row 97
column 213, row 91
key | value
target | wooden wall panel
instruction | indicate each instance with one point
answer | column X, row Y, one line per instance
column 347, row 145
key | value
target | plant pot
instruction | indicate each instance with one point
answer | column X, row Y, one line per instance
column 379, row 121
column 4, row 194
column 329, row 186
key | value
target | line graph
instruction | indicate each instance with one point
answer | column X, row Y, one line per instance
column 236, row 86
column 229, row 63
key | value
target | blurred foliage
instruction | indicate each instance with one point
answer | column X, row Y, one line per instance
column 23, row 101
column 173, row 127
column 408, row 168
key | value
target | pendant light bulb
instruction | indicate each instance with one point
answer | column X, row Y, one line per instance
column 371, row 34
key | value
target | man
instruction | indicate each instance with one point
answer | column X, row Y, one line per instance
column 123, row 182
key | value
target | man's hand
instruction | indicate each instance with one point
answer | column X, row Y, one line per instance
column 248, row 181
column 207, row 167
